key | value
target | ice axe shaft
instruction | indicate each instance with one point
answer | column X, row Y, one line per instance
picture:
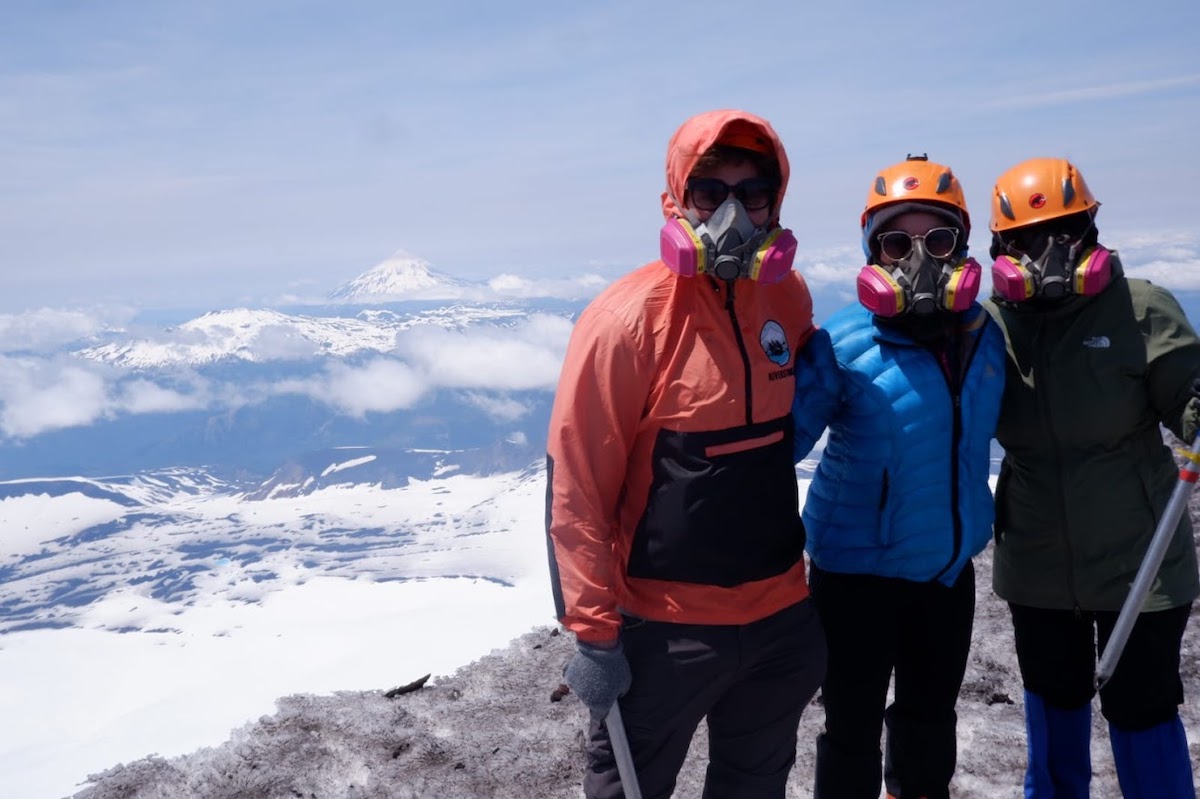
column 1148, row 571
column 620, row 745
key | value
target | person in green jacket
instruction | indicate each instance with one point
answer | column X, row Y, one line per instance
column 1096, row 361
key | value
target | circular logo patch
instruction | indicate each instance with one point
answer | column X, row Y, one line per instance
column 774, row 342
column 1037, row 200
column 911, row 184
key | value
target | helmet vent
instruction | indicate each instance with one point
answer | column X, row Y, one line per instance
column 881, row 186
column 943, row 183
column 1006, row 207
column 1068, row 191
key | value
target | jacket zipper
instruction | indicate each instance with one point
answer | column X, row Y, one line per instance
column 955, row 388
column 1042, row 389
column 737, row 332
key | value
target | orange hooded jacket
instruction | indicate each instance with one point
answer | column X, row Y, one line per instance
column 671, row 487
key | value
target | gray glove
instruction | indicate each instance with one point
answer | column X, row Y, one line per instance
column 598, row 676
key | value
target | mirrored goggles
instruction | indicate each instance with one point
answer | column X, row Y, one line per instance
column 707, row 194
column 940, row 242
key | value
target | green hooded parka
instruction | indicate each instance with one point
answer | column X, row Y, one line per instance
column 1086, row 474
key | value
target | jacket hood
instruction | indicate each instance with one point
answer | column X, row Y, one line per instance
column 702, row 131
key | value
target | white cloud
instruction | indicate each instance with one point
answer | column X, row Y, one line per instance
column 508, row 283
column 488, row 360
column 526, row 356
column 579, row 287
column 1166, row 258
column 483, row 359
column 38, row 395
column 1177, row 275
column 41, row 394
column 48, row 329
column 502, row 408
column 836, row 266
column 379, row 386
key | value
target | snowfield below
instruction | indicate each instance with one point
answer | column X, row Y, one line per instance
column 170, row 638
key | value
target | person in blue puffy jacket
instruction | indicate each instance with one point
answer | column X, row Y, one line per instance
column 908, row 383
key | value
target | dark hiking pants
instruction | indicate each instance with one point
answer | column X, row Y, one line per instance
column 876, row 626
column 1057, row 651
column 752, row 681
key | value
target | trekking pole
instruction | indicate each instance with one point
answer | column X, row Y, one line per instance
column 1148, row 571
column 620, row 745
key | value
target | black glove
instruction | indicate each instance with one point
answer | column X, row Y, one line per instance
column 598, row 676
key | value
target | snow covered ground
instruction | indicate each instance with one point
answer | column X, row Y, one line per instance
column 264, row 673
column 349, row 588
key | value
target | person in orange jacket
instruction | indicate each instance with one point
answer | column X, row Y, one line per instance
column 675, row 540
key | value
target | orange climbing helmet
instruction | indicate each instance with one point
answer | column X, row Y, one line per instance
column 1039, row 190
column 915, row 180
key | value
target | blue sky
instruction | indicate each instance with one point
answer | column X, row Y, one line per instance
column 204, row 154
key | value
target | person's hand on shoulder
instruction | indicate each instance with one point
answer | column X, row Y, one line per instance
column 818, row 362
column 818, row 391
column 598, row 675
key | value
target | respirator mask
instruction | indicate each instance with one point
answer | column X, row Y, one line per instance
column 728, row 245
column 924, row 275
column 1062, row 266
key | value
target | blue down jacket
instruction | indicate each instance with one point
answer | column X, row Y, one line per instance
column 902, row 487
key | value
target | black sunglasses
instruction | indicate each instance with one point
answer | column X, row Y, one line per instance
column 707, row 194
column 1032, row 240
column 940, row 242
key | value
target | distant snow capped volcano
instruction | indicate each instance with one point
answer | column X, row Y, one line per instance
column 403, row 276
column 261, row 335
